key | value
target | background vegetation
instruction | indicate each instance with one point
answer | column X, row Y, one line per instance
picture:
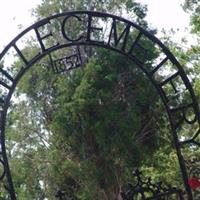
column 86, row 131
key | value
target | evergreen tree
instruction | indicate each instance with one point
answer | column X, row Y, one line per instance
column 85, row 131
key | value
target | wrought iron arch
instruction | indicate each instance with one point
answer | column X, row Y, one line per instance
column 180, row 115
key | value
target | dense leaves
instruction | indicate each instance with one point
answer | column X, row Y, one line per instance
column 98, row 119
column 83, row 132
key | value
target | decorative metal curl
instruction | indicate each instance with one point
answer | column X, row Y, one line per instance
column 148, row 190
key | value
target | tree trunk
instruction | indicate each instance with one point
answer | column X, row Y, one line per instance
column 114, row 196
column 113, row 193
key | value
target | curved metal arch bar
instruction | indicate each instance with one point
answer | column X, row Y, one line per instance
column 114, row 41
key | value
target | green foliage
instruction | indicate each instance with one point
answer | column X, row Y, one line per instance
column 85, row 131
column 95, row 117
column 135, row 10
column 193, row 7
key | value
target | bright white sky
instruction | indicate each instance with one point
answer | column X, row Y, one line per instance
column 166, row 13
column 13, row 14
column 162, row 14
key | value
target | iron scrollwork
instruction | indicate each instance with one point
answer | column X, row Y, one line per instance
column 141, row 190
column 147, row 190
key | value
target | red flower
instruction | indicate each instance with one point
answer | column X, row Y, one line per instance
column 194, row 183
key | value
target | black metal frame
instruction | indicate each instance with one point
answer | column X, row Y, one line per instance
column 179, row 115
